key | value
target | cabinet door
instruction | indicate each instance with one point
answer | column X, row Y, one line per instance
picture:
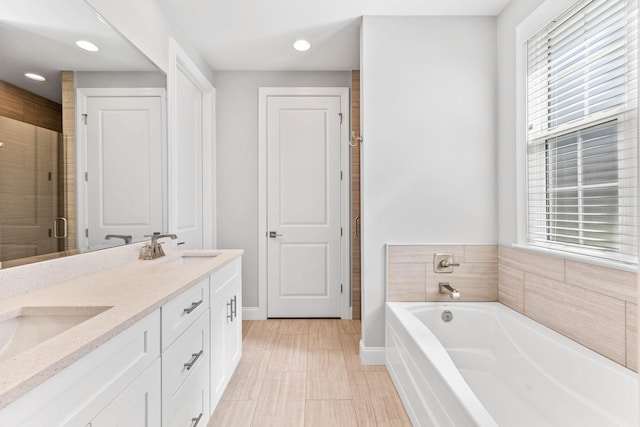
column 220, row 311
column 138, row 405
column 226, row 326
column 233, row 330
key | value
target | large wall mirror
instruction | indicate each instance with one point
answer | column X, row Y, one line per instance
column 83, row 146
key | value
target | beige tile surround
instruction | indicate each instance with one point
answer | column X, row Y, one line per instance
column 410, row 275
column 593, row 305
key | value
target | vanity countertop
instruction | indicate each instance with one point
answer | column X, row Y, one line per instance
column 129, row 291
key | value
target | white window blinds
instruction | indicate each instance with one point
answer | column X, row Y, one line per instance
column 582, row 156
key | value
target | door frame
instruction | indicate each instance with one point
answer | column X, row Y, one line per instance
column 264, row 93
column 82, row 221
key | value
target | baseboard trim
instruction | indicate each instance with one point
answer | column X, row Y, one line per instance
column 371, row 355
column 252, row 313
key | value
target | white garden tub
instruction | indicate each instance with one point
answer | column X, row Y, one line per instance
column 491, row 366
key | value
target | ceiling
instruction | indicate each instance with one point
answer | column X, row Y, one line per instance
column 258, row 34
column 39, row 36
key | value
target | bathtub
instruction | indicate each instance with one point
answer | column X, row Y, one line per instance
column 491, row 366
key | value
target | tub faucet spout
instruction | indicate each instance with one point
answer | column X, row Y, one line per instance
column 446, row 289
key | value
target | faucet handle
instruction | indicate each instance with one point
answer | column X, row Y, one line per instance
column 444, row 263
column 159, row 250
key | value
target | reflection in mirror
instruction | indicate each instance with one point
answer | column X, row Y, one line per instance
column 82, row 153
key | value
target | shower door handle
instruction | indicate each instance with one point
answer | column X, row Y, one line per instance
column 60, row 223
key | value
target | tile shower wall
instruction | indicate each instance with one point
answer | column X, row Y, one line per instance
column 593, row 305
column 410, row 275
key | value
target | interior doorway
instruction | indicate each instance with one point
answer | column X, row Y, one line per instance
column 304, row 208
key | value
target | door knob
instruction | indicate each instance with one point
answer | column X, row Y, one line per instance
column 273, row 234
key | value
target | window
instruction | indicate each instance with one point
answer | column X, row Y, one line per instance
column 582, row 132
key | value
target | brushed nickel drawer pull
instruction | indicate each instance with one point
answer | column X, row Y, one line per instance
column 197, row 420
column 230, row 310
column 193, row 361
column 194, row 305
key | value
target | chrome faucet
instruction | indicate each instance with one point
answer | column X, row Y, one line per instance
column 154, row 249
column 125, row 237
column 446, row 289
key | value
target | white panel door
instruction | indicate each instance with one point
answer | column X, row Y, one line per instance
column 124, row 166
column 188, row 162
column 303, row 206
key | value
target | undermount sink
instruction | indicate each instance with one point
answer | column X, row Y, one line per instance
column 29, row 326
column 190, row 258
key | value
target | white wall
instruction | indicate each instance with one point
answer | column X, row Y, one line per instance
column 120, row 79
column 237, row 159
column 508, row 20
column 147, row 26
column 429, row 153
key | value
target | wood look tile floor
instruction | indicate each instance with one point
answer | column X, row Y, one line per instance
column 307, row 372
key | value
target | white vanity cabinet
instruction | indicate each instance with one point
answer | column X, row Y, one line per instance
column 168, row 369
column 185, row 358
column 226, row 326
column 100, row 386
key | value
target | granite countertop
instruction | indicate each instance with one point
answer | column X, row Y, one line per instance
column 121, row 295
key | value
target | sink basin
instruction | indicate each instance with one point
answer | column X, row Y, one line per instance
column 29, row 326
column 190, row 258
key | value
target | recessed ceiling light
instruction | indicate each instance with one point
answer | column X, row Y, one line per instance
column 301, row 45
column 83, row 44
column 36, row 77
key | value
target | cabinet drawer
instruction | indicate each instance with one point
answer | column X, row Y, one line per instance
column 187, row 357
column 191, row 403
column 222, row 279
column 179, row 313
